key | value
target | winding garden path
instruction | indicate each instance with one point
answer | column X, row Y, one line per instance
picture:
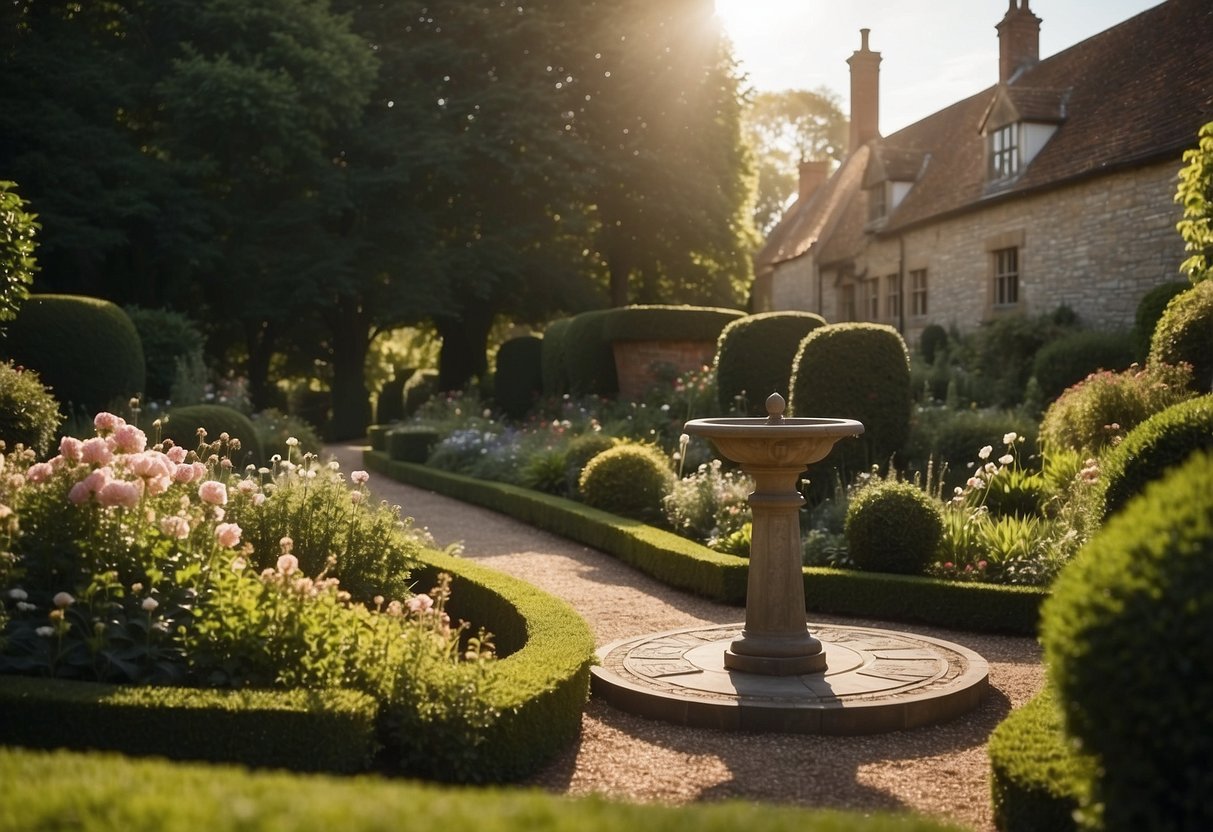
column 941, row 771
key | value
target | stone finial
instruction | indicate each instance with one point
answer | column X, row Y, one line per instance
column 775, row 408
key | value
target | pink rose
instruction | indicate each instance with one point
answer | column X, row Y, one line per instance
column 39, row 472
column 96, row 451
column 246, row 487
column 213, row 492
column 80, row 494
column 69, row 448
column 175, row 527
column 97, row 479
column 359, row 477
column 105, row 422
column 420, row 603
column 287, row 564
column 183, row 473
column 129, row 439
column 228, row 534
column 176, row 454
column 120, row 493
column 149, row 464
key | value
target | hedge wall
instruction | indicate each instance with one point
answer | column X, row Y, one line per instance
column 754, row 357
column 667, row 323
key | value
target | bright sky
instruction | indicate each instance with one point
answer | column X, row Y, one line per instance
column 934, row 52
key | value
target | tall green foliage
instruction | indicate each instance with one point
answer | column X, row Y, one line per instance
column 1195, row 193
column 17, row 245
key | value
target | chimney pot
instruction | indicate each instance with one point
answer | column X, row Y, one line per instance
column 865, row 94
column 1018, row 40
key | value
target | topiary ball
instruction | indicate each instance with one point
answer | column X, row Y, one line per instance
column 1161, row 442
column 29, row 414
column 85, row 349
column 1128, row 646
column 893, row 527
column 216, row 419
column 1185, row 333
column 630, row 480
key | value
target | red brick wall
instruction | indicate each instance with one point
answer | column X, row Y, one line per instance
column 636, row 362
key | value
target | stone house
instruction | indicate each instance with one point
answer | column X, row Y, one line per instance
column 1053, row 187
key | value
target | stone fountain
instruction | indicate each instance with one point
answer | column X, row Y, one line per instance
column 772, row 673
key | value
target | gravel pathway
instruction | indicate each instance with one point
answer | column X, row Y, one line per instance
column 940, row 771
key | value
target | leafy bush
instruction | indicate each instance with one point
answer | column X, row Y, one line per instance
column 17, row 246
column 1149, row 309
column 1091, row 414
column 170, row 341
column 629, row 479
column 1072, row 357
column 1131, row 615
column 518, row 381
column 389, row 404
column 29, row 414
column 1162, row 442
column 184, row 423
column 893, row 527
column 1001, row 352
column 754, row 358
column 85, row 349
column 709, row 505
column 419, row 389
column 581, row 449
column 1184, row 334
column 855, row 371
column 589, row 359
column 945, row 439
column 554, row 360
column 274, row 428
column 931, row 341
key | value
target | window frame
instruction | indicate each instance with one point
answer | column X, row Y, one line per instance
column 893, row 296
column 1006, row 278
column 1005, row 149
column 919, row 296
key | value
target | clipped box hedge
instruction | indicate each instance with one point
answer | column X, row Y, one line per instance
column 108, row 793
column 687, row 565
column 658, row 322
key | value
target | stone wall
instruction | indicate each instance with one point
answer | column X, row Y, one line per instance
column 639, row 364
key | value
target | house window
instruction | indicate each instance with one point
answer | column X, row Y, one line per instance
column 893, row 297
column 877, row 203
column 918, row 292
column 1004, row 152
column 873, row 299
column 846, row 302
column 1006, row 277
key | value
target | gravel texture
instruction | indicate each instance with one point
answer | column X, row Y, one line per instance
column 940, row 771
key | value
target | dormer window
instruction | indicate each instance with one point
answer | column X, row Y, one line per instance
column 878, row 205
column 1005, row 158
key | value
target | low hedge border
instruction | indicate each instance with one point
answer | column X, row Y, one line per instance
column 687, row 565
column 107, row 793
column 539, row 688
column 1036, row 779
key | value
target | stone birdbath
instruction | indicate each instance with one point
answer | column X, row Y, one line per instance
column 775, row 452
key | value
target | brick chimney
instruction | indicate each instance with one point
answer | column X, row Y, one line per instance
column 812, row 176
column 865, row 94
column 1018, row 40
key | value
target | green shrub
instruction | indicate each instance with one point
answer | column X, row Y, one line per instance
column 1074, row 356
column 931, row 341
column 169, row 339
column 589, row 359
column 950, row 439
column 411, row 443
column 29, row 413
column 1091, row 414
column 629, row 479
column 389, row 404
column 554, row 360
column 1149, row 310
column 754, row 358
column 85, row 349
column 855, row 371
column 310, row 404
column 1185, row 334
column 1127, row 640
column 274, row 428
column 666, row 323
column 1001, row 353
column 183, row 424
column 1017, row 493
column 1162, row 442
column 893, row 527
column 518, row 381
column 581, row 450
column 17, row 245
column 419, row 389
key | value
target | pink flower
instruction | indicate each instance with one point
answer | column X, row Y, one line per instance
column 69, row 448
column 176, row 527
column 120, row 493
column 96, row 451
column 39, row 472
column 176, row 454
column 129, row 439
column 213, row 492
column 63, row 599
column 105, row 422
column 228, row 534
column 183, row 473
column 359, row 477
column 246, row 487
column 420, row 603
column 97, row 479
column 79, row 494
column 287, row 564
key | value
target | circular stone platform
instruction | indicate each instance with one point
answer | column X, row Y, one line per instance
column 875, row 680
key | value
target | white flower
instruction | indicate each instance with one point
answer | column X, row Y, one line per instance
column 45, row 632
column 359, row 477
column 26, row 606
column 1006, row 459
column 1008, row 438
column 985, row 452
column 17, row 594
column 149, row 604
column 291, row 442
column 63, row 599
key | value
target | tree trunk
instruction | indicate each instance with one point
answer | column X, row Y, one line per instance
column 464, row 346
column 351, row 400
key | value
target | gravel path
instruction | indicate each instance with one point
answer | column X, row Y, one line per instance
column 940, row 771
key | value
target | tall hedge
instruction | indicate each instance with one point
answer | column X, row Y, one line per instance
column 1185, row 333
column 85, row 349
column 855, row 371
column 168, row 338
column 518, row 380
column 589, row 359
column 754, row 357
column 667, row 323
column 1149, row 309
column 1074, row 356
column 554, row 360
column 1128, row 645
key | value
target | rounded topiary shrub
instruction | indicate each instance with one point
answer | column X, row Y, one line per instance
column 389, row 404
column 554, row 360
column 581, row 449
column 931, row 341
column 85, row 349
column 754, row 358
column 1075, row 355
column 1184, row 333
column 1128, row 645
column 855, row 371
column 1161, row 442
column 630, row 480
column 216, row 419
column 29, row 414
column 419, row 389
column 169, row 339
column 589, row 359
column 518, row 381
column 1149, row 309
column 893, row 527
